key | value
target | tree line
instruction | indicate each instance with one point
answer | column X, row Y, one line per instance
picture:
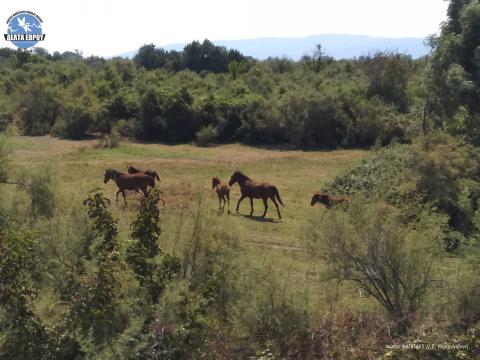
column 209, row 94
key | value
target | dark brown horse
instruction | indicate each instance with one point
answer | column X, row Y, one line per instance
column 223, row 192
column 330, row 200
column 256, row 190
column 153, row 174
column 124, row 182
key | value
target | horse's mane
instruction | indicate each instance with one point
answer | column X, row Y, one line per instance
column 115, row 172
column 242, row 175
column 133, row 169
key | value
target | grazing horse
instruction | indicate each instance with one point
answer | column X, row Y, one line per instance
column 153, row 174
column 255, row 190
column 330, row 200
column 124, row 182
column 223, row 192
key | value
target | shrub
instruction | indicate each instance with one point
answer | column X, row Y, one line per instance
column 368, row 246
column 144, row 248
column 23, row 334
column 275, row 318
column 4, row 158
column 127, row 128
column 388, row 75
column 437, row 171
column 378, row 174
column 40, row 188
column 39, row 107
column 109, row 141
column 95, row 306
column 83, row 115
column 206, row 136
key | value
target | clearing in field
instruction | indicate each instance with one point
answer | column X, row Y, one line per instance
column 186, row 172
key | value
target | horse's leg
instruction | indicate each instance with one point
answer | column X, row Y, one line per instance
column 266, row 206
column 124, row 197
column 276, row 205
column 145, row 192
column 228, row 198
column 116, row 196
column 224, row 198
column 251, row 206
column 219, row 202
column 239, row 201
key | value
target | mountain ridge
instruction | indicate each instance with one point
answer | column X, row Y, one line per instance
column 339, row 46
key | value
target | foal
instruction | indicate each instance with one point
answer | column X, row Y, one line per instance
column 124, row 182
column 153, row 174
column 223, row 192
column 256, row 190
column 330, row 200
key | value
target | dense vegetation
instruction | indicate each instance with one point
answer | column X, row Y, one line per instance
column 208, row 94
column 77, row 282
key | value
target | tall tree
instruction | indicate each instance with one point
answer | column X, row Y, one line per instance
column 456, row 69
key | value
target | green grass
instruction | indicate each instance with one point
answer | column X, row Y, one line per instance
column 186, row 173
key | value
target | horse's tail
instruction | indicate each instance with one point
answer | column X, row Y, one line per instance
column 277, row 195
column 156, row 175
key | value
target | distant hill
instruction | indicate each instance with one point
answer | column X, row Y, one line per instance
column 337, row 45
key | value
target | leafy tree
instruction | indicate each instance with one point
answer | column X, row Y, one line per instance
column 456, row 69
column 94, row 307
column 388, row 75
column 150, row 57
column 142, row 253
column 39, row 107
column 23, row 333
column 318, row 60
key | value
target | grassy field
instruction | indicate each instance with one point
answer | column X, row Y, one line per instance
column 186, row 173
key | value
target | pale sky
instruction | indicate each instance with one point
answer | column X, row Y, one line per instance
column 109, row 28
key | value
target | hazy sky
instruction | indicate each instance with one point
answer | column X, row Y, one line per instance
column 113, row 27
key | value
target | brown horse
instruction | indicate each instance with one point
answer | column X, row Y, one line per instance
column 223, row 192
column 124, row 182
column 256, row 190
column 153, row 174
column 330, row 200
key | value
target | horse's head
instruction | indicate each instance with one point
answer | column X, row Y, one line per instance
column 132, row 170
column 110, row 174
column 215, row 182
column 153, row 174
column 236, row 177
column 319, row 198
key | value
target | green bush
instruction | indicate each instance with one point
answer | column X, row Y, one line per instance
column 5, row 157
column 82, row 116
column 437, row 172
column 369, row 246
column 206, row 136
column 41, row 189
column 39, row 107
column 378, row 175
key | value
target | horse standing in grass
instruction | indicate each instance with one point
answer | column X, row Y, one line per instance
column 223, row 192
column 153, row 174
column 256, row 190
column 124, row 182
column 330, row 200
